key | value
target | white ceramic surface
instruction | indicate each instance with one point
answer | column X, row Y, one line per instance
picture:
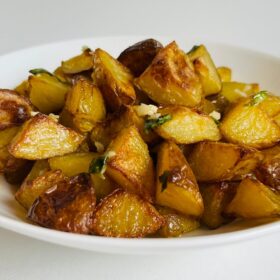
column 247, row 65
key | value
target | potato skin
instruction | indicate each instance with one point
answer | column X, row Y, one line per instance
column 170, row 79
column 14, row 109
column 42, row 137
column 123, row 214
column 67, row 206
column 139, row 56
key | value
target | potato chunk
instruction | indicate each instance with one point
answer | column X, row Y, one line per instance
column 31, row 189
column 42, row 137
column 206, row 70
column 131, row 166
column 67, row 206
column 176, row 184
column 186, row 126
column 114, row 80
column 215, row 198
column 224, row 73
column 85, row 105
column 124, row 214
column 170, row 78
column 47, row 93
column 14, row 109
column 176, row 224
column 254, row 200
column 227, row 161
column 248, row 124
column 140, row 55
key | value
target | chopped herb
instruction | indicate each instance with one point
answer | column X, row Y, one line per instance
column 194, row 48
column 154, row 123
column 97, row 165
column 37, row 71
column 217, row 122
column 258, row 98
column 163, row 178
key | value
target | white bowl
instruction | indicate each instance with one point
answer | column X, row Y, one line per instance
column 247, row 65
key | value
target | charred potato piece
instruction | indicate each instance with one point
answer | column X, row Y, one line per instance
column 170, row 79
column 234, row 91
column 215, row 198
column 47, row 92
column 140, row 55
column 85, row 105
column 31, row 189
column 67, row 206
column 176, row 184
column 113, row 79
column 79, row 63
column 124, row 214
column 42, row 137
column 206, row 70
column 131, row 166
column 14, row 109
column 227, row 161
column 224, row 73
column 248, row 124
column 176, row 224
column 254, row 200
column 186, row 126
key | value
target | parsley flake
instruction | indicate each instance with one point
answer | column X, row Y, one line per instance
column 258, row 98
column 154, row 123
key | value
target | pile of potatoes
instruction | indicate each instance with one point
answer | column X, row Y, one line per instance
column 153, row 143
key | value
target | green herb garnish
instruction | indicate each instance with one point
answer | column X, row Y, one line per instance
column 98, row 164
column 217, row 122
column 37, row 71
column 163, row 178
column 258, row 98
column 154, row 123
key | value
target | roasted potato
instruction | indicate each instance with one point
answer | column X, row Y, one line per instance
column 14, row 109
column 31, row 189
column 277, row 119
column 247, row 123
column 140, row 55
column 131, row 166
column 123, row 214
column 254, row 200
column 206, row 70
column 23, row 88
column 187, row 126
column 67, row 206
column 176, row 224
column 220, row 103
column 79, row 63
column 227, row 161
column 47, row 92
column 224, row 73
column 215, row 198
column 43, row 137
column 85, row 105
column 113, row 79
column 170, row 79
column 176, row 184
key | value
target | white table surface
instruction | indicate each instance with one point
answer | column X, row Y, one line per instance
column 252, row 24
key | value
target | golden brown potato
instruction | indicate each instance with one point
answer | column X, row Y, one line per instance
column 277, row 119
column 215, row 198
column 216, row 161
column 124, row 214
column 234, row 91
column 131, row 166
column 186, row 126
column 254, row 200
column 206, row 70
column 270, row 105
column 79, row 63
column 14, row 109
column 113, row 79
column 176, row 184
column 247, row 123
column 43, row 137
column 85, row 105
column 224, row 73
column 140, row 55
column 176, row 224
column 220, row 103
column 23, row 88
column 47, row 92
column 31, row 189
column 39, row 168
column 67, row 206
column 170, row 78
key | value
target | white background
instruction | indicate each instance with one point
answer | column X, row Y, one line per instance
column 254, row 24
